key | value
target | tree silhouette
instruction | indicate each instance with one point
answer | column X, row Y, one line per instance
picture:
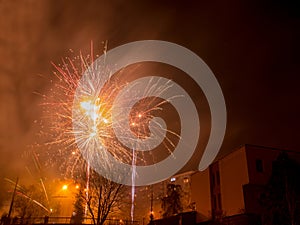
column 30, row 202
column 281, row 197
column 101, row 198
column 171, row 203
column 78, row 217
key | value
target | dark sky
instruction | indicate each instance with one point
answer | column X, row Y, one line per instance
column 251, row 46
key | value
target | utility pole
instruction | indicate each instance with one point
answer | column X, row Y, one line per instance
column 12, row 199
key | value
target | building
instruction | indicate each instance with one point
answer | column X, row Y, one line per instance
column 231, row 187
column 229, row 190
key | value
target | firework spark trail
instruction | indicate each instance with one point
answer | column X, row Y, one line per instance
column 87, row 189
column 38, row 168
column 21, row 192
column 34, row 201
column 133, row 174
column 94, row 111
column 58, row 107
column 20, row 188
column 156, row 89
column 28, row 171
column 44, row 189
column 90, row 137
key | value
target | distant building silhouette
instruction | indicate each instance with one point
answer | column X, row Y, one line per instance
column 230, row 188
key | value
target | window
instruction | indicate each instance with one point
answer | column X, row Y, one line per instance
column 259, row 166
column 215, row 202
column 186, row 180
column 218, row 177
column 219, row 201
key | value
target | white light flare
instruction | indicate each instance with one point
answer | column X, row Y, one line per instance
column 91, row 110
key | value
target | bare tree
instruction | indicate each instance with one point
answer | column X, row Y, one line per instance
column 78, row 218
column 30, row 202
column 171, row 203
column 281, row 197
column 102, row 197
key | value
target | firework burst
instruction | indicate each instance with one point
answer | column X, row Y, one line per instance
column 84, row 113
column 110, row 112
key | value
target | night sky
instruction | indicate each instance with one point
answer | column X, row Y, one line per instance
column 251, row 46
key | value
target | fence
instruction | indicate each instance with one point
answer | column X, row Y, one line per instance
column 62, row 220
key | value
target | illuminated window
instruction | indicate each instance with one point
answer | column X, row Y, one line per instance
column 186, row 180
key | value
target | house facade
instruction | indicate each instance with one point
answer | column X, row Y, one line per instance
column 231, row 186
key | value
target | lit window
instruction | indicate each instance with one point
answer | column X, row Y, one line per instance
column 186, row 180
